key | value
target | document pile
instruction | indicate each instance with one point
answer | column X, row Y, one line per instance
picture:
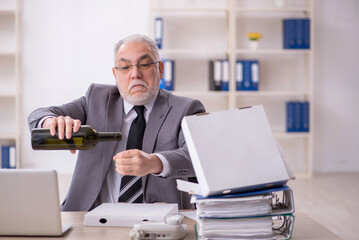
column 242, row 175
column 265, row 214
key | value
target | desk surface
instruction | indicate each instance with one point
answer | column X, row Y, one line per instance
column 304, row 228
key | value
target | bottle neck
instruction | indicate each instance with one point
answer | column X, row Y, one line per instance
column 109, row 136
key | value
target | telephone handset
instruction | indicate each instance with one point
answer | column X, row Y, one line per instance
column 171, row 228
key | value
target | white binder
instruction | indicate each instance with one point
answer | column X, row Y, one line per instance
column 233, row 151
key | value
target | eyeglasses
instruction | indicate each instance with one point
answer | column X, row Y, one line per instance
column 125, row 67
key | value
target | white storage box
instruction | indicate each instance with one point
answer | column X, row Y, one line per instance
column 233, row 151
column 127, row 214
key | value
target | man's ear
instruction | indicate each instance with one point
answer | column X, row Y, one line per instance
column 114, row 72
column 161, row 67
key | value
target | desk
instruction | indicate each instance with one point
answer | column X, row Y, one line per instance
column 304, row 228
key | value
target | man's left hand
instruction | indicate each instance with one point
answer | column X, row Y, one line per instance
column 135, row 162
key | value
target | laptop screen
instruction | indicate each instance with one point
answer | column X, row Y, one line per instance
column 29, row 203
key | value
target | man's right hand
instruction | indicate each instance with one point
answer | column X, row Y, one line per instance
column 64, row 125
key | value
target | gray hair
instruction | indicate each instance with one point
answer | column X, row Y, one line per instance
column 138, row 38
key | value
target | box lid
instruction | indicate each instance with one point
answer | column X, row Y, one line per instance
column 232, row 151
column 127, row 214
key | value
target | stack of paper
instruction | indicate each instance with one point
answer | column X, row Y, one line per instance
column 234, row 207
column 248, row 228
column 248, row 215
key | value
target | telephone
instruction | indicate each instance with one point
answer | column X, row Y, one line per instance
column 171, row 228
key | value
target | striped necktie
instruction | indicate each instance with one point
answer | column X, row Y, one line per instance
column 131, row 190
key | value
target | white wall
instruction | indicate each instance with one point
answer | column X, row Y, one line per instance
column 68, row 44
column 336, row 86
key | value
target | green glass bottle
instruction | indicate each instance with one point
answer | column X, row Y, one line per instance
column 86, row 138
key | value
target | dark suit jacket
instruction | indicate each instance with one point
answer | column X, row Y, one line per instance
column 102, row 108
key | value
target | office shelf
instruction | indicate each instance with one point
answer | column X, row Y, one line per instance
column 10, row 75
column 285, row 74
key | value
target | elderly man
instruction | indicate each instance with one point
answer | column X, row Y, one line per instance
column 144, row 166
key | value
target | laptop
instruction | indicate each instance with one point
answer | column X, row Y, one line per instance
column 29, row 203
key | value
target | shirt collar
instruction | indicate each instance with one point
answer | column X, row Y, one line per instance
column 128, row 106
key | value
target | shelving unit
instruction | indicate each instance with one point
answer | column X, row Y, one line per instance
column 10, row 75
column 197, row 31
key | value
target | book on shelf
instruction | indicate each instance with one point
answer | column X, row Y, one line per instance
column 296, row 33
column 158, row 31
column 225, row 75
column 290, row 116
column 8, row 156
column 219, row 70
column 215, row 75
column 167, row 81
column 297, row 116
column 247, row 75
column 305, row 117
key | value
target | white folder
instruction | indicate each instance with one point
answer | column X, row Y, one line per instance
column 233, row 151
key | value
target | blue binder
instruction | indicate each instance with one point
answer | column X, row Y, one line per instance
column 167, row 81
column 290, row 116
column 5, row 156
column 254, row 75
column 289, row 29
column 225, row 75
column 239, row 75
column 306, row 29
column 296, row 33
column 298, row 116
column 305, row 117
column 158, row 31
column 303, row 33
column 299, row 33
column 215, row 75
column 8, row 158
column 247, row 75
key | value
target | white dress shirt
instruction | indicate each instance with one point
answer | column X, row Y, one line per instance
column 111, row 187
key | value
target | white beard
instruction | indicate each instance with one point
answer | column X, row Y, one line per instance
column 138, row 99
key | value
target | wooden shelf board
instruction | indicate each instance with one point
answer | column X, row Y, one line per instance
column 194, row 51
column 202, row 93
column 273, row 10
column 8, row 136
column 272, row 51
column 271, row 93
column 190, row 9
column 282, row 134
column 7, row 54
column 8, row 95
column 244, row 93
column 7, row 12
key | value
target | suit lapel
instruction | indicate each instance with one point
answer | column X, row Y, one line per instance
column 155, row 121
column 158, row 115
column 114, row 118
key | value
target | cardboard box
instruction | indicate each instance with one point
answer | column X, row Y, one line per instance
column 127, row 214
column 233, row 151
